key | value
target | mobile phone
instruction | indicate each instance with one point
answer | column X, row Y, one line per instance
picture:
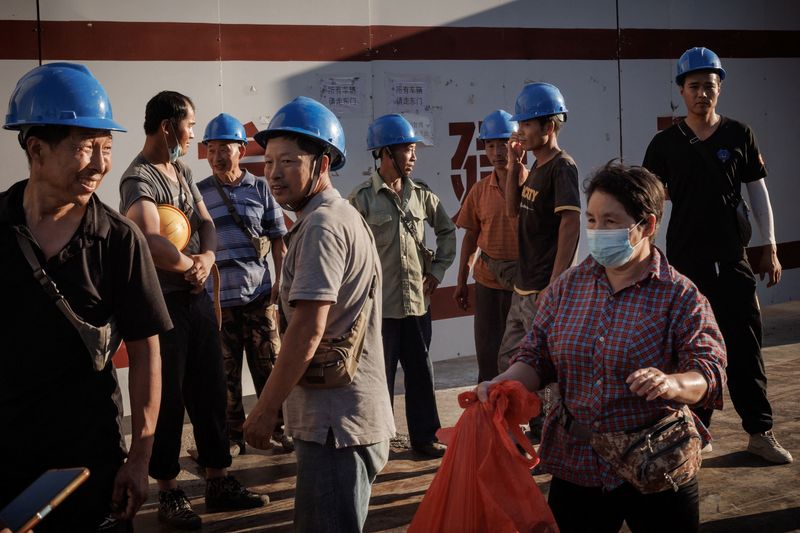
column 41, row 496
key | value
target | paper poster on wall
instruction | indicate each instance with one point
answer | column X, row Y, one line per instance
column 409, row 97
column 342, row 94
column 423, row 126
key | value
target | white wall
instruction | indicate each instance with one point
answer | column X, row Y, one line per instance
column 758, row 91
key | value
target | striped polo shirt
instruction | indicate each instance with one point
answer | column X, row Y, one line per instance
column 243, row 276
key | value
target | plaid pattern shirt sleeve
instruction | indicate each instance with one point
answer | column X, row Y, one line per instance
column 590, row 339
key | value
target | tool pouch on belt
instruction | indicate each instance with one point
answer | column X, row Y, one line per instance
column 101, row 342
column 504, row 271
column 663, row 456
column 336, row 360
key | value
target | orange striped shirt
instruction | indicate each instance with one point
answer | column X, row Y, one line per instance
column 484, row 211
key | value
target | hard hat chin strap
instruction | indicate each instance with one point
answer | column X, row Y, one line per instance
column 394, row 162
column 315, row 170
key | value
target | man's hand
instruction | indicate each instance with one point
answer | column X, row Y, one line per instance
column 769, row 265
column 429, row 284
column 515, row 151
column 258, row 427
column 652, row 383
column 130, row 489
column 200, row 269
column 461, row 296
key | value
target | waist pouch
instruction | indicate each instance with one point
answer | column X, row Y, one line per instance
column 504, row 271
column 428, row 257
column 663, row 456
column 335, row 361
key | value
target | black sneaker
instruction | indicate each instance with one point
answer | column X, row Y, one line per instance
column 431, row 449
column 227, row 494
column 175, row 510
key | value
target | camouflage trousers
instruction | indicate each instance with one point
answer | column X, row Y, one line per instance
column 250, row 329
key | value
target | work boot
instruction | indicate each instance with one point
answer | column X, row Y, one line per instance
column 175, row 510
column 284, row 440
column 237, row 448
column 431, row 449
column 766, row 446
column 227, row 494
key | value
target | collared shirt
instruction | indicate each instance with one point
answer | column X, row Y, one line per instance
column 400, row 256
column 590, row 339
column 331, row 258
column 484, row 212
column 243, row 275
column 49, row 390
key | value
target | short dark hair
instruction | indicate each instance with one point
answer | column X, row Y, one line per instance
column 638, row 190
column 51, row 134
column 558, row 121
column 304, row 142
column 166, row 105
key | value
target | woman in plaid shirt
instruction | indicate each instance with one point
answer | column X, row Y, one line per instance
column 629, row 340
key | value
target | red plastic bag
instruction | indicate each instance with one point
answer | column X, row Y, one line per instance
column 484, row 483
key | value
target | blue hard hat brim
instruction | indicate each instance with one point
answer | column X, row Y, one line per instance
column 225, row 138
column 528, row 116
column 495, row 137
column 262, row 136
column 719, row 70
column 410, row 140
column 86, row 123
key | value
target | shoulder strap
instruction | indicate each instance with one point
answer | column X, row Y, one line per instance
column 232, row 210
column 733, row 196
column 47, row 284
column 405, row 218
column 182, row 182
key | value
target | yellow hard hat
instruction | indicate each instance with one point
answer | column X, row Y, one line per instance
column 174, row 225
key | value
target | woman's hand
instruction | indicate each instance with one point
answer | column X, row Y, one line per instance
column 652, row 383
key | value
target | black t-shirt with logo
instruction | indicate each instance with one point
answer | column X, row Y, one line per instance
column 702, row 229
column 549, row 190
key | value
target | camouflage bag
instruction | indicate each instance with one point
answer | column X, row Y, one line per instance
column 663, row 456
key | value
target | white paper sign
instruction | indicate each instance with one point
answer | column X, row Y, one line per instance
column 342, row 95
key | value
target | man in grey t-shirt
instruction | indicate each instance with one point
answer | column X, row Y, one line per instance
column 191, row 370
column 341, row 434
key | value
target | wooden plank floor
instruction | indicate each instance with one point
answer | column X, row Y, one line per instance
column 738, row 492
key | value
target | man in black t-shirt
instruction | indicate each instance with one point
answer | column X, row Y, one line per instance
column 703, row 161
column 546, row 200
column 548, row 203
column 60, row 403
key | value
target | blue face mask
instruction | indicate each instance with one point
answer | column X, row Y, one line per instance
column 175, row 152
column 611, row 247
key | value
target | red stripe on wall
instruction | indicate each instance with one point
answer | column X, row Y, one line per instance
column 180, row 41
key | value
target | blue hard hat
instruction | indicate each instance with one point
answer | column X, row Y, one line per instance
column 538, row 100
column 225, row 127
column 308, row 117
column 497, row 125
column 62, row 94
column 698, row 58
column 390, row 129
